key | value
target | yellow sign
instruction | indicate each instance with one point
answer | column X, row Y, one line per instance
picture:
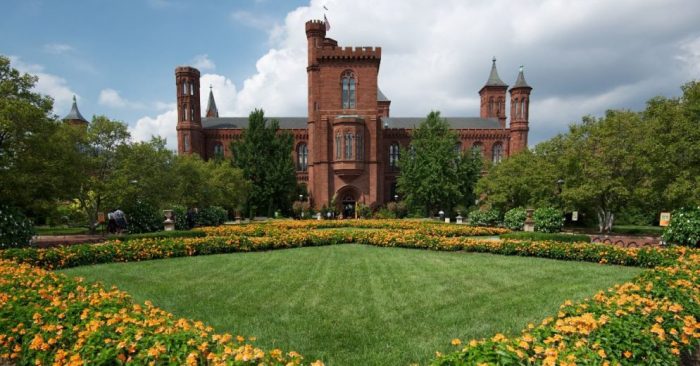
column 665, row 219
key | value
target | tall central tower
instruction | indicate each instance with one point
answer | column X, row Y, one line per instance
column 343, row 126
column 190, row 138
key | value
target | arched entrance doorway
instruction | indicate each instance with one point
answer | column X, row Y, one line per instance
column 348, row 206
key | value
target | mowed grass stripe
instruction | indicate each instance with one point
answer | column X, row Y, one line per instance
column 354, row 304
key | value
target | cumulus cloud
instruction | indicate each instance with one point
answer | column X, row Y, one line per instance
column 111, row 98
column 162, row 125
column 203, row 62
column 581, row 57
column 54, row 86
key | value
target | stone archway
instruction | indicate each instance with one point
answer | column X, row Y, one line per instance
column 347, row 198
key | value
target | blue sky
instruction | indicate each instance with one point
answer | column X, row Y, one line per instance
column 581, row 57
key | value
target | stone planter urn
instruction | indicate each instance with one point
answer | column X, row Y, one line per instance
column 529, row 222
column 459, row 219
column 169, row 223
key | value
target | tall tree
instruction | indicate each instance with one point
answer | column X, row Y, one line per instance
column 33, row 144
column 434, row 175
column 101, row 142
column 264, row 154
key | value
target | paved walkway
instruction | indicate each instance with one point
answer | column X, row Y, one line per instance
column 45, row 241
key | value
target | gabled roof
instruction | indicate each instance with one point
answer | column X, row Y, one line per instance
column 74, row 113
column 242, row 122
column 494, row 79
column 455, row 122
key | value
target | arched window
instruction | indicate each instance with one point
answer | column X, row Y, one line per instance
column 478, row 147
column 338, row 147
column 394, row 156
column 348, row 145
column 525, row 108
column 458, row 148
column 186, row 142
column 302, row 157
column 491, row 106
column 191, row 88
column 497, row 153
column 348, row 89
column 360, row 147
column 219, row 150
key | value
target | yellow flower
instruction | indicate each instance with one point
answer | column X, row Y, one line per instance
column 456, row 342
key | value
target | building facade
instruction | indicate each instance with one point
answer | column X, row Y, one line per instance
column 347, row 147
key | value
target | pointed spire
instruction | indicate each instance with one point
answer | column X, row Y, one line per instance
column 494, row 79
column 74, row 114
column 520, row 82
column 211, row 105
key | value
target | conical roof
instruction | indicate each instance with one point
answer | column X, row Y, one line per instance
column 381, row 97
column 74, row 113
column 520, row 82
column 494, row 79
column 211, row 105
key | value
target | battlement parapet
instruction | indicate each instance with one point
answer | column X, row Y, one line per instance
column 332, row 52
column 186, row 70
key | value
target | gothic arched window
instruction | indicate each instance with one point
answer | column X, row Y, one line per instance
column 219, row 150
column 478, row 147
column 302, row 157
column 394, row 156
column 338, row 147
column 360, row 147
column 348, row 86
column 186, row 142
column 348, row 145
column 490, row 106
column 497, row 153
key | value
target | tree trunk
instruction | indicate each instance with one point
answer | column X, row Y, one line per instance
column 605, row 220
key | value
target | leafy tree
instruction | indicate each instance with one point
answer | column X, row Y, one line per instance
column 33, row 145
column 101, row 144
column 263, row 153
column 231, row 188
column 434, row 175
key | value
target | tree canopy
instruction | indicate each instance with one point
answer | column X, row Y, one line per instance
column 435, row 173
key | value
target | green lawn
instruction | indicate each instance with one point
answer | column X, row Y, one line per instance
column 354, row 304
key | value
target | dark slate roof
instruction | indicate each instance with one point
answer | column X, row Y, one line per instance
column 494, row 79
column 455, row 122
column 211, row 105
column 521, row 83
column 242, row 122
column 381, row 97
column 74, row 113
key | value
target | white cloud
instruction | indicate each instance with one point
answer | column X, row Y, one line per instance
column 54, row 86
column 162, row 125
column 111, row 98
column 580, row 57
column 57, row 48
column 203, row 62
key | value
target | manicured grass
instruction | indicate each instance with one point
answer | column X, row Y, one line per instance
column 60, row 230
column 568, row 238
column 353, row 304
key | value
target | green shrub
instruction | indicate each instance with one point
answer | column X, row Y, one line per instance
column 548, row 220
column 160, row 235
column 16, row 230
column 514, row 218
column 684, row 228
column 637, row 230
column 568, row 238
column 142, row 217
column 384, row 213
column 484, row 218
column 212, row 216
column 180, row 217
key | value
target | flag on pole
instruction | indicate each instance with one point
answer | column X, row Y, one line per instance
column 325, row 20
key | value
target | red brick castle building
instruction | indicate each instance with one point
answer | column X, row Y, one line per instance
column 348, row 146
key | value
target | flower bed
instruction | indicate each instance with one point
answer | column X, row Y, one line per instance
column 50, row 319
column 649, row 321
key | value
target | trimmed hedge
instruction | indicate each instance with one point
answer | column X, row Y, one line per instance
column 568, row 238
column 684, row 228
column 160, row 234
column 16, row 230
column 638, row 230
column 548, row 220
column 514, row 219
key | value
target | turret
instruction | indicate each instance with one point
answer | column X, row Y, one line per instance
column 74, row 117
column 493, row 97
column 212, row 111
column 189, row 118
column 519, row 113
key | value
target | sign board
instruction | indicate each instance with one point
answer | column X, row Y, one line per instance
column 665, row 219
column 100, row 217
column 574, row 216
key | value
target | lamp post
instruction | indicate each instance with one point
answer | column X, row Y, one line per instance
column 396, row 197
column 560, row 183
